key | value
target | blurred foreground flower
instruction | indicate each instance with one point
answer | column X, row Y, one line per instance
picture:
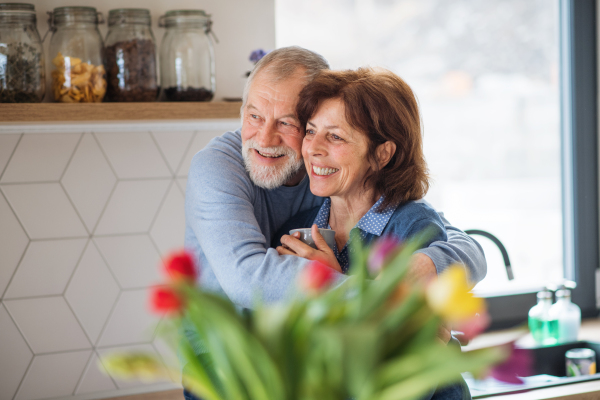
column 165, row 300
column 180, row 266
column 364, row 339
column 383, row 250
column 316, row 276
column 450, row 296
column 518, row 364
column 134, row 366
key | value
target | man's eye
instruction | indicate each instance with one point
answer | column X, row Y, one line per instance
column 254, row 116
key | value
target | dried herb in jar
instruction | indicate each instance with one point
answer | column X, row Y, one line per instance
column 131, row 71
column 21, row 75
column 188, row 94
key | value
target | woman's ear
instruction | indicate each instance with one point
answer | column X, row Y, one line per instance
column 385, row 152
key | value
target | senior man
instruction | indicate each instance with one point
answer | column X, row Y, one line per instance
column 244, row 185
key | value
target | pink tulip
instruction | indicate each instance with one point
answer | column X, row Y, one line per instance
column 519, row 363
column 381, row 252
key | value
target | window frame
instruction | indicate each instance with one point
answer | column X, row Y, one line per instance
column 579, row 159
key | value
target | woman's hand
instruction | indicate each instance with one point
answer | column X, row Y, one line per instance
column 291, row 245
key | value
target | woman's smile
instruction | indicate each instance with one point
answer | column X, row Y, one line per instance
column 323, row 171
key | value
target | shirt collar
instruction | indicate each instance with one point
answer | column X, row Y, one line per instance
column 372, row 222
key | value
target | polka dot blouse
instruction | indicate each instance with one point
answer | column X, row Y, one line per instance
column 372, row 222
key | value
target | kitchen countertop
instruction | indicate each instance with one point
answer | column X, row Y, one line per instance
column 590, row 331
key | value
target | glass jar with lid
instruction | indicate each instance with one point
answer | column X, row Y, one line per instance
column 22, row 72
column 76, row 51
column 187, row 57
column 130, row 56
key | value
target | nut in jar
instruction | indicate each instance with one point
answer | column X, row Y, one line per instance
column 74, row 81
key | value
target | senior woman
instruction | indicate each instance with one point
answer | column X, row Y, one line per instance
column 363, row 151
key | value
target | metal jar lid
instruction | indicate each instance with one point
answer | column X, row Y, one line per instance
column 139, row 16
column 17, row 12
column 580, row 353
column 64, row 15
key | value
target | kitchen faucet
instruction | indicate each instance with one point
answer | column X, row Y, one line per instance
column 497, row 242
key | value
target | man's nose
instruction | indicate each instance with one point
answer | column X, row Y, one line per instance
column 268, row 136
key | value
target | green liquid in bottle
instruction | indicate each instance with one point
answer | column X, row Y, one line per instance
column 544, row 331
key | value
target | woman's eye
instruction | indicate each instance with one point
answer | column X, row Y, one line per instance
column 336, row 137
column 310, row 132
column 254, row 116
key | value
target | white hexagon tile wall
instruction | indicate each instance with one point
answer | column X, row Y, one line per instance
column 85, row 214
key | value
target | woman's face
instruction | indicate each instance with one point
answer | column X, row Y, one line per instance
column 335, row 154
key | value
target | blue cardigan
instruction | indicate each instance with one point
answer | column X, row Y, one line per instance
column 408, row 220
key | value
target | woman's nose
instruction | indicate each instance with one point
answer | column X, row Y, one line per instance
column 316, row 146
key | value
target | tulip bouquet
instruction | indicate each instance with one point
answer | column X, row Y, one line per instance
column 373, row 337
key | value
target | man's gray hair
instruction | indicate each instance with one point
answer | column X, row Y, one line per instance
column 283, row 63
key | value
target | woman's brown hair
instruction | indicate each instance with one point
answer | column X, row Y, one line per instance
column 382, row 106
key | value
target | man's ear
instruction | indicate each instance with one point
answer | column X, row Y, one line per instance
column 385, row 152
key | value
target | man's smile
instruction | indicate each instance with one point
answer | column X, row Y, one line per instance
column 268, row 155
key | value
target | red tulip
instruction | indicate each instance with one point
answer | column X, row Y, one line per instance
column 165, row 300
column 383, row 249
column 181, row 266
column 317, row 276
column 519, row 363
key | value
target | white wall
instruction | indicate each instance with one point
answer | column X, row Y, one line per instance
column 241, row 26
column 86, row 212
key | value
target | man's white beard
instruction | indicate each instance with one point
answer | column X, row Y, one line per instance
column 270, row 177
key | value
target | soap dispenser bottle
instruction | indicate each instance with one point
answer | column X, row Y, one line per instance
column 568, row 315
column 542, row 324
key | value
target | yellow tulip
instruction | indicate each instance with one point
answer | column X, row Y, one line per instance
column 450, row 296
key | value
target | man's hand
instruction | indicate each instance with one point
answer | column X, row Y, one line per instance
column 291, row 245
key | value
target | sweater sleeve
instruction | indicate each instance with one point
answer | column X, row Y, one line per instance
column 460, row 248
column 220, row 214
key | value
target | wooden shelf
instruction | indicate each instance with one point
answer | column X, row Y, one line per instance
column 62, row 112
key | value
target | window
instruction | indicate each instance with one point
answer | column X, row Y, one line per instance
column 496, row 82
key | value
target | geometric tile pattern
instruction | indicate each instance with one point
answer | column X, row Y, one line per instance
column 47, row 324
column 94, row 378
column 53, row 375
column 46, row 268
column 89, row 181
column 13, row 242
column 133, row 259
column 92, row 292
column 14, row 348
column 131, row 321
column 84, row 218
column 123, row 147
column 40, row 158
column 44, row 210
column 132, row 206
